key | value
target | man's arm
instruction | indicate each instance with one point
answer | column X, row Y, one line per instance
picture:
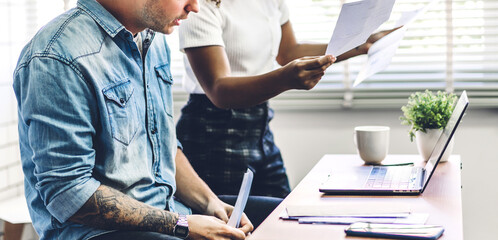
column 108, row 208
column 193, row 191
column 190, row 187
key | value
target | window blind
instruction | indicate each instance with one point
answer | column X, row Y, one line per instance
column 452, row 47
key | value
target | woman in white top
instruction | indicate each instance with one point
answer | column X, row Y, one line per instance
column 231, row 47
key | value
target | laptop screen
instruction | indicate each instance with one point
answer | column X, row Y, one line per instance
column 446, row 136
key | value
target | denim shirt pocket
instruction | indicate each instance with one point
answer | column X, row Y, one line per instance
column 163, row 73
column 122, row 110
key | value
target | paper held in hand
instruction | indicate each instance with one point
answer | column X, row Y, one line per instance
column 356, row 22
column 244, row 191
column 383, row 50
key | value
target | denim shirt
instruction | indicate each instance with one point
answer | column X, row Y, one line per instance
column 91, row 112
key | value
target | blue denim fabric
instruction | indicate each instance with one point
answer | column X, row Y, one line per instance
column 91, row 113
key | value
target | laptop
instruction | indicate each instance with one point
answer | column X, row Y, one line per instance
column 394, row 180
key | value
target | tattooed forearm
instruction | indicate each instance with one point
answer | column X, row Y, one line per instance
column 111, row 209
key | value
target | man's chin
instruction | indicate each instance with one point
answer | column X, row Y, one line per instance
column 168, row 30
column 164, row 30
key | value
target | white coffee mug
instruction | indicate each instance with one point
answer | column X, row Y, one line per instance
column 372, row 143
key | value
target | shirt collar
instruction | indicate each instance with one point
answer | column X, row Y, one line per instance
column 101, row 16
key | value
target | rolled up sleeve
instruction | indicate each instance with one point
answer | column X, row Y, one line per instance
column 64, row 205
column 58, row 111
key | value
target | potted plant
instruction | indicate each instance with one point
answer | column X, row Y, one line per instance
column 427, row 114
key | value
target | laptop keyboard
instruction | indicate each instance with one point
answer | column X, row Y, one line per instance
column 392, row 177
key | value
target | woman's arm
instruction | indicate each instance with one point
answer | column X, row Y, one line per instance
column 290, row 49
column 212, row 69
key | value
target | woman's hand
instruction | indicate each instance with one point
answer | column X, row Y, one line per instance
column 306, row 72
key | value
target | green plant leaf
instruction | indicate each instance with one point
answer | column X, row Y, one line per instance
column 426, row 110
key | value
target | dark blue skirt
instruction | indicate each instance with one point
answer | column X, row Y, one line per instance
column 222, row 143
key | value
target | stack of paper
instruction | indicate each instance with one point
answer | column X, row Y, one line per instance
column 411, row 218
column 347, row 213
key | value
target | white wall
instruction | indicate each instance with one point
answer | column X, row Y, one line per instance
column 305, row 136
column 11, row 178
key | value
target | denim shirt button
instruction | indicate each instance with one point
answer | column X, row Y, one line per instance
column 153, row 131
column 121, row 100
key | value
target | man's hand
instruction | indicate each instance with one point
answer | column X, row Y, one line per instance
column 208, row 227
column 223, row 211
column 215, row 226
column 193, row 191
column 306, row 72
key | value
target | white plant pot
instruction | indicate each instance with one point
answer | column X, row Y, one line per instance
column 427, row 141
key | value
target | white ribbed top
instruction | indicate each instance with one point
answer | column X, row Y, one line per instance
column 249, row 30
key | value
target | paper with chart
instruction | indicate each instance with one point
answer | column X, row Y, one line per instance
column 381, row 52
column 240, row 204
column 356, row 22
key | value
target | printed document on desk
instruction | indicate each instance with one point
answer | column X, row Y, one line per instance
column 412, row 218
column 347, row 213
column 390, row 209
column 356, row 22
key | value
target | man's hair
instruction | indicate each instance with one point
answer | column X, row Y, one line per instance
column 218, row 2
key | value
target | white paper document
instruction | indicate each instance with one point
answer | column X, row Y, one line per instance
column 360, row 209
column 380, row 55
column 413, row 218
column 381, row 52
column 356, row 22
column 240, row 204
column 410, row 16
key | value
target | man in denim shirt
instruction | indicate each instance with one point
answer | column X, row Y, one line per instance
column 96, row 132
